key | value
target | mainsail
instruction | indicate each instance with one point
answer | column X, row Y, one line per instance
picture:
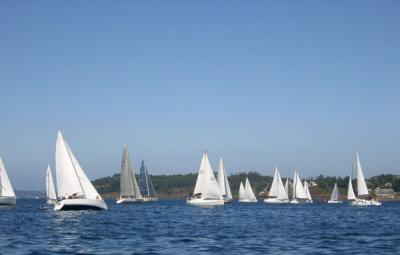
column 50, row 190
column 6, row 189
column 241, row 191
column 71, row 179
column 129, row 186
column 146, row 185
column 206, row 184
column 223, row 182
column 350, row 191
column 307, row 190
column 361, row 185
column 248, row 191
column 335, row 193
column 277, row 188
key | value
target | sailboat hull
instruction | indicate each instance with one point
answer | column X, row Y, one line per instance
column 248, row 201
column 299, row 201
column 8, row 201
column 276, row 200
column 335, row 202
column 128, row 200
column 364, row 202
column 204, row 202
column 51, row 202
column 80, row 204
column 150, row 199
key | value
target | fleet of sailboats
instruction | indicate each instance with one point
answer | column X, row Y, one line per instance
column 206, row 192
column 247, row 194
column 363, row 197
column 130, row 192
column 278, row 194
column 7, row 195
column 51, row 195
column 335, row 196
column 146, row 185
column 75, row 190
column 223, row 183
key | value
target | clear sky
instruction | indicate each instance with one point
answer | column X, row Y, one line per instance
column 301, row 84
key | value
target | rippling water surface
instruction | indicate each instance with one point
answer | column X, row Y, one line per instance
column 171, row 227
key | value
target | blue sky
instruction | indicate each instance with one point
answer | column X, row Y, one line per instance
column 295, row 83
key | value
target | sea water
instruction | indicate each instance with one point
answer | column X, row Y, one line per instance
column 172, row 227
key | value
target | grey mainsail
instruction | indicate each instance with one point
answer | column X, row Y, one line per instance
column 146, row 185
column 129, row 186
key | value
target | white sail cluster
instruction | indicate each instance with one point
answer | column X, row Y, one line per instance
column 278, row 193
column 223, row 182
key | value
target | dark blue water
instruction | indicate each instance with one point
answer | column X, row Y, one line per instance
column 171, row 227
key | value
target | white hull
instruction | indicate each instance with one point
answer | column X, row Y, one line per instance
column 299, row 201
column 334, row 202
column 228, row 201
column 51, row 201
column 8, row 201
column 248, row 201
column 150, row 199
column 128, row 200
column 80, row 204
column 276, row 200
column 364, row 202
column 204, row 202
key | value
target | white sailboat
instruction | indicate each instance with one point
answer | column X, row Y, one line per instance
column 50, row 190
column 130, row 192
column 350, row 191
column 75, row 190
column 363, row 197
column 277, row 193
column 146, row 185
column 206, row 191
column 7, row 195
column 223, row 183
column 241, row 191
column 248, row 194
column 299, row 194
column 307, row 190
column 335, row 196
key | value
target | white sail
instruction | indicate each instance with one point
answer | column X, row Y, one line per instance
column 335, row 193
column 223, row 182
column 128, row 184
column 307, row 190
column 350, row 191
column 298, row 189
column 241, row 191
column 71, row 179
column 6, row 189
column 248, row 191
column 277, row 188
column 361, row 185
column 287, row 187
column 50, row 190
column 206, row 184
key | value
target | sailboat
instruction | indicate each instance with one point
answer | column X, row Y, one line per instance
column 335, row 196
column 299, row 194
column 241, row 191
column 223, row 183
column 248, row 194
column 50, row 190
column 206, row 191
column 146, row 185
column 277, row 193
column 130, row 192
column 7, row 195
column 307, row 190
column 350, row 191
column 75, row 190
column 363, row 197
